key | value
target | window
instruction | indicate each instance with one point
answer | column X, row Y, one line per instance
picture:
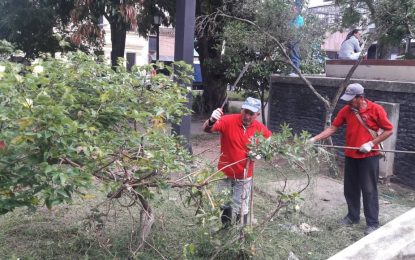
column 152, row 43
column 130, row 60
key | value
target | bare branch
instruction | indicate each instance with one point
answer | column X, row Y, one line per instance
column 283, row 51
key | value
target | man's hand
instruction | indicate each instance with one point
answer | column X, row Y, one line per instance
column 366, row 147
column 216, row 115
column 253, row 156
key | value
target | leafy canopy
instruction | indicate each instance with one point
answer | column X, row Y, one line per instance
column 68, row 120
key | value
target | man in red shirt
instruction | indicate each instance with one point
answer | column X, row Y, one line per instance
column 361, row 172
column 236, row 132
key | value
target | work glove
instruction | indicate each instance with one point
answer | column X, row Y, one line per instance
column 310, row 142
column 216, row 115
column 366, row 147
column 253, row 156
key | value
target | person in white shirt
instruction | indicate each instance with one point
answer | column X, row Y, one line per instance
column 350, row 48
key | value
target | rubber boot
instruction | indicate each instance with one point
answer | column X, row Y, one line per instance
column 245, row 220
column 226, row 217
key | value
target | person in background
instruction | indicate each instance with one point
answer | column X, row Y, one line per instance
column 361, row 169
column 350, row 48
column 236, row 132
column 294, row 45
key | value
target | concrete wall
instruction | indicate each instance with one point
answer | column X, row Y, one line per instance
column 386, row 164
column 291, row 101
column 133, row 44
column 393, row 70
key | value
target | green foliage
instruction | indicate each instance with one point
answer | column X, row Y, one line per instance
column 134, row 15
column 282, row 147
column 393, row 20
column 247, row 44
column 6, row 49
column 283, row 144
column 32, row 26
column 41, row 26
column 59, row 234
column 67, row 120
column 236, row 95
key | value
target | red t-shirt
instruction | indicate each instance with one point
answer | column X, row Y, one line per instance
column 234, row 139
column 356, row 134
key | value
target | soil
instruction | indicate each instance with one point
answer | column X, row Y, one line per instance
column 325, row 197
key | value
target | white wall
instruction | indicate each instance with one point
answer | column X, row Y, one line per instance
column 133, row 43
column 314, row 3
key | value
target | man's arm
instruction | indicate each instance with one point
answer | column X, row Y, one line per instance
column 216, row 115
column 383, row 123
column 367, row 147
column 383, row 136
column 325, row 134
column 207, row 126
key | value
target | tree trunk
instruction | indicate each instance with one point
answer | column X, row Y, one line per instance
column 214, row 92
column 333, row 167
column 408, row 46
column 383, row 50
column 263, row 105
column 118, row 35
column 146, row 222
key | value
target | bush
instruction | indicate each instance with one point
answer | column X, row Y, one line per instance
column 68, row 120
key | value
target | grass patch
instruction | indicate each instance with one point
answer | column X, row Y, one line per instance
column 63, row 233
column 73, row 232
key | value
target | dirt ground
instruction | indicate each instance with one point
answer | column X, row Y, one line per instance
column 325, row 197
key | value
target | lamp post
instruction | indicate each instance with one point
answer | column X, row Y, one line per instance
column 157, row 22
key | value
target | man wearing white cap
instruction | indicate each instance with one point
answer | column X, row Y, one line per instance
column 236, row 131
column 361, row 171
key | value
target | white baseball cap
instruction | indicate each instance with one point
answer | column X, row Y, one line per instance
column 252, row 104
column 352, row 91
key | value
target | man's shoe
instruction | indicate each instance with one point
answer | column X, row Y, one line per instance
column 226, row 217
column 370, row 229
column 347, row 221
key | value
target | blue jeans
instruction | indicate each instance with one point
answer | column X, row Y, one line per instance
column 240, row 190
column 294, row 48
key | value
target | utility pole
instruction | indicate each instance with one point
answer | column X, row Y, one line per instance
column 183, row 51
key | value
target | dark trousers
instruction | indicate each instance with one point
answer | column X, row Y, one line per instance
column 361, row 177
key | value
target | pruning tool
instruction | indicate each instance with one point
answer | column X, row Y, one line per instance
column 357, row 148
column 245, row 68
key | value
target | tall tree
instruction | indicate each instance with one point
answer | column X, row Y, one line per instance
column 32, row 26
column 36, row 26
column 208, row 45
column 122, row 16
column 241, row 32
